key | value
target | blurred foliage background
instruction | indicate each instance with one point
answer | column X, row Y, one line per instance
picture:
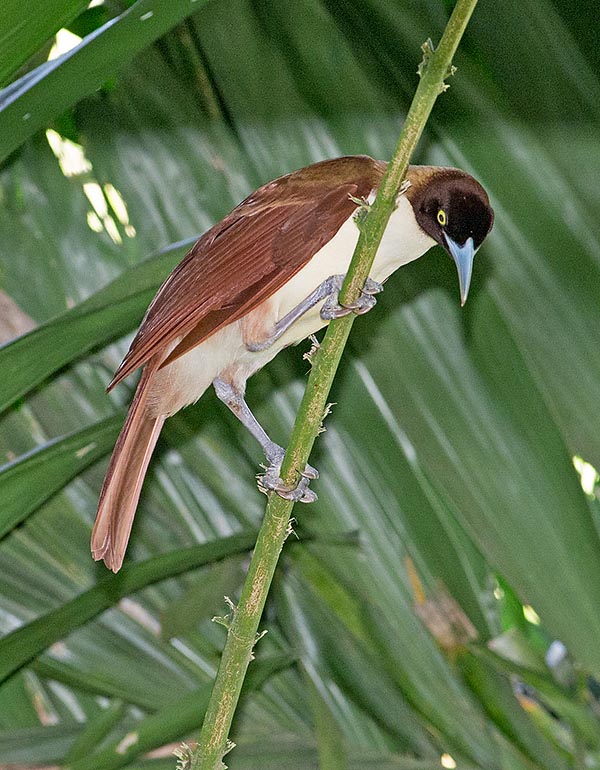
column 440, row 604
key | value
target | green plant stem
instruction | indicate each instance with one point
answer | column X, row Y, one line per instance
column 243, row 625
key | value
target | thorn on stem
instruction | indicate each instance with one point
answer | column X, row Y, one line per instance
column 449, row 73
column 230, row 604
column 428, row 51
column 364, row 207
column 310, row 354
column 290, row 529
column 326, row 412
column 184, row 754
column 362, row 202
column 225, row 620
column 257, row 639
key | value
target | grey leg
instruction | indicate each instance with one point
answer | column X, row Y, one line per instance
column 274, row 453
column 328, row 291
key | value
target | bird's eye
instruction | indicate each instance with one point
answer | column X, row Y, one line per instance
column 441, row 217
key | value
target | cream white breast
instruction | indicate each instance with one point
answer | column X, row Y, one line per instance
column 402, row 242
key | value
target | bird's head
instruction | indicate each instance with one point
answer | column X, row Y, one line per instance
column 454, row 210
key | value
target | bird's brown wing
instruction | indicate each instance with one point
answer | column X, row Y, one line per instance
column 250, row 254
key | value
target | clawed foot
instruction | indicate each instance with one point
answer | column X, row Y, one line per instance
column 271, row 481
column 332, row 307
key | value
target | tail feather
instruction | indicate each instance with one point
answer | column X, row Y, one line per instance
column 124, row 478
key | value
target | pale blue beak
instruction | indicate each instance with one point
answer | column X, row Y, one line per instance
column 463, row 257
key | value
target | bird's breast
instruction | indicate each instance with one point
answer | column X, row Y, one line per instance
column 402, row 242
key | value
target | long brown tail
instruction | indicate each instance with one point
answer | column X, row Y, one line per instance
column 124, row 478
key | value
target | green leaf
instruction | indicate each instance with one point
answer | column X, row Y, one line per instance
column 358, row 669
column 449, row 447
column 87, row 22
column 21, row 34
column 20, row 646
column 36, row 744
column 172, row 722
column 329, row 737
column 95, row 731
column 555, row 697
column 496, row 693
column 106, row 315
column 204, row 598
column 32, row 102
column 29, row 481
column 461, row 418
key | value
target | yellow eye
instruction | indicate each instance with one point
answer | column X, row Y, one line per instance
column 441, row 217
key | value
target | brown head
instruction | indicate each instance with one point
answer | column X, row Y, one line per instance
column 454, row 209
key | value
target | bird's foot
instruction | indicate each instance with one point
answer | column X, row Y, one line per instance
column 333, row 308
column 271, row 480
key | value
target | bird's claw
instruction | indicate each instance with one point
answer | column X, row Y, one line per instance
column 309, row 473
column 372, row 287
column 271, row 481
column 333, row 308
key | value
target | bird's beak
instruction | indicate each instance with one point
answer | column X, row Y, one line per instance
column 463, row 257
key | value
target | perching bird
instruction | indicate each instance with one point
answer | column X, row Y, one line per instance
column 263, row 278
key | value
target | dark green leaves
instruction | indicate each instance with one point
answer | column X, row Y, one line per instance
column 25, row 643
column 101, row 319
column 41, row 95
column 449, row 448
column 20, row 38
column 29, row 481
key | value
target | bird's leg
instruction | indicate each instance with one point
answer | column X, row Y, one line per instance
column 322, row 291
column 329, row 291
column 233, row 398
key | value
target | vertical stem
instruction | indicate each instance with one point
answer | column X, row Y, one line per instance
column 213, row 742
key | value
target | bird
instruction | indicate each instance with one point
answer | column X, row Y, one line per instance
column 265, row 277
